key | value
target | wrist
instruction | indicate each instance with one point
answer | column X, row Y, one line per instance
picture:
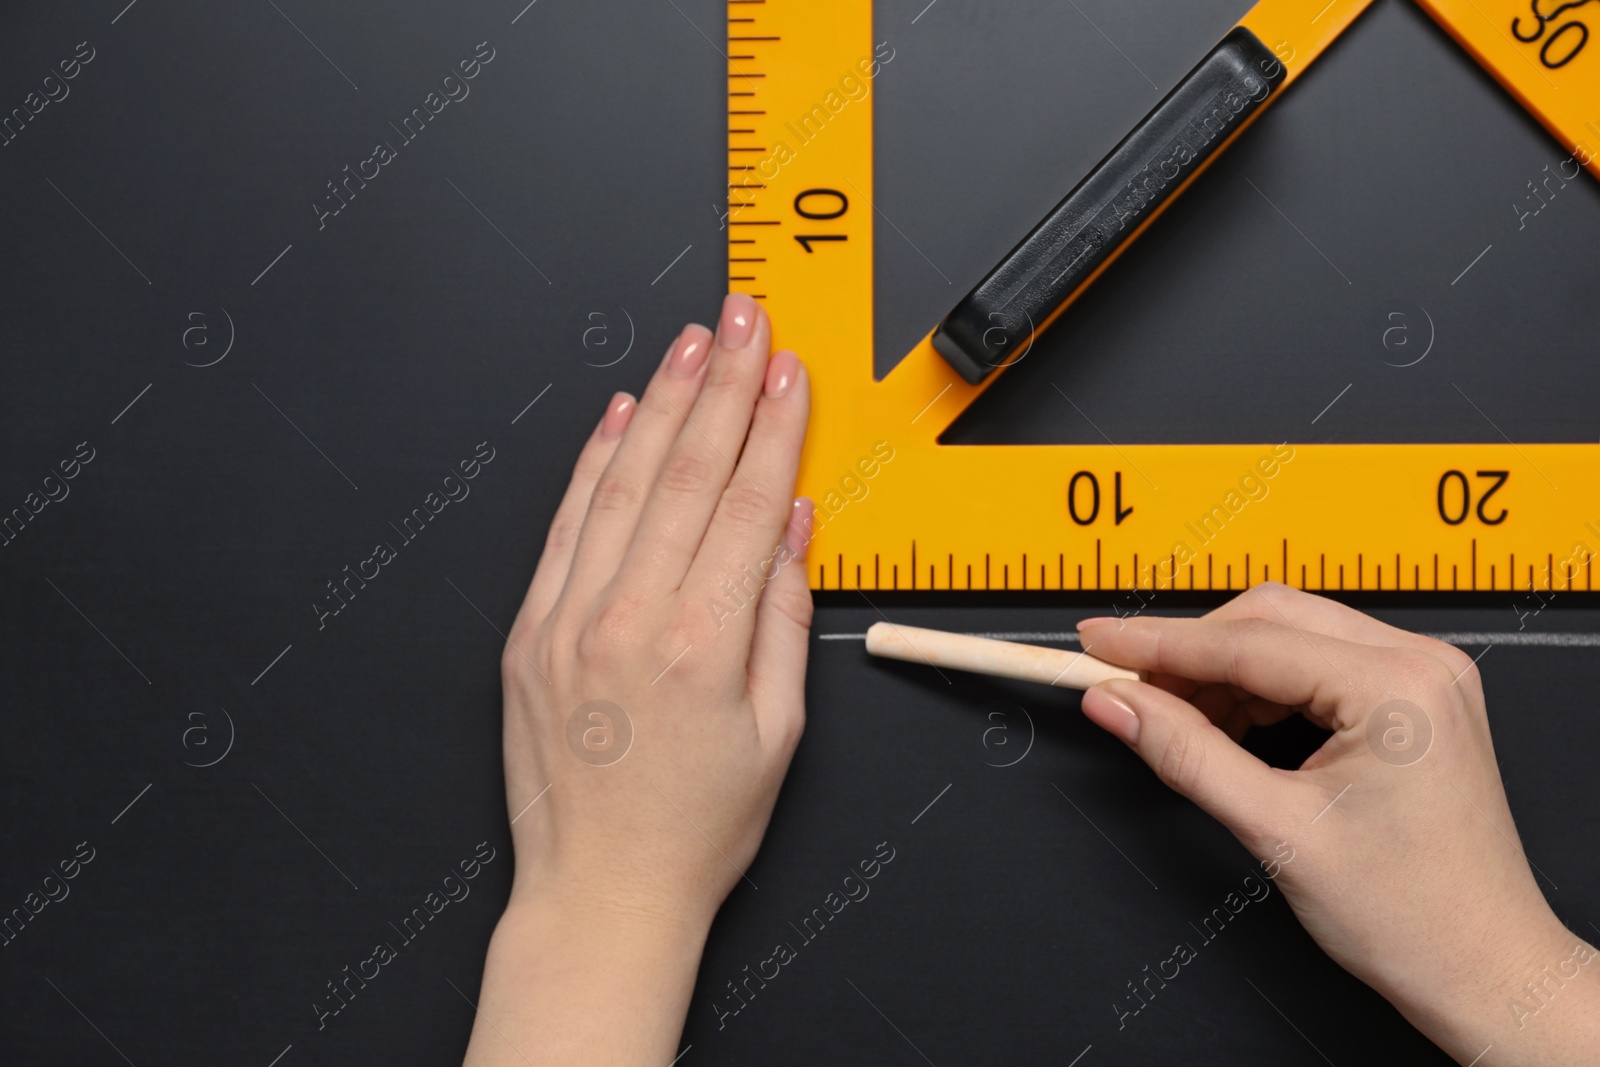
column 637, row 890
column 1530, row 989
column 616, row 978
column 659, row 918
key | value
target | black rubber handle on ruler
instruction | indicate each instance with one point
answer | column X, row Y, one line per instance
column 1139, row 175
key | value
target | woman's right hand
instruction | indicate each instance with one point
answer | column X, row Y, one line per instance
column 1407, row 868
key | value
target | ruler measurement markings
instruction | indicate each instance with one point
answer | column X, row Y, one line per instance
column 797, row 69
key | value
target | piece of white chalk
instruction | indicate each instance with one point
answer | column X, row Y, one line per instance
column 983, row 655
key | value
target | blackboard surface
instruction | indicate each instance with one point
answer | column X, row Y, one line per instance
column 254, row 387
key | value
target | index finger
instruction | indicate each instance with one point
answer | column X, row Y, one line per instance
column 1281, row 663
column 1279, row 602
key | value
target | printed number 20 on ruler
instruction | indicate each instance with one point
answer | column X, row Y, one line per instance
column 897, row 510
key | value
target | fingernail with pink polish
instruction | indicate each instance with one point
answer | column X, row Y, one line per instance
column 618, row 414
column 688, row 353
column 781, row 373
column 738, row 322
column 1111, row 713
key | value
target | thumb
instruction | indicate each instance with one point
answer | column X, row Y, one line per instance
column 1192, row 756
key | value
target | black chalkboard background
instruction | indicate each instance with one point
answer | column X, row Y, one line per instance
column 159, row 617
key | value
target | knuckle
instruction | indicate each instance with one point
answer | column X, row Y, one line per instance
column 728, row 375
column 793, row 604
column 510, row 664
column 1470, row 686
column 687, row 472
column 1182, row 762
column 592, row 460
column 563, row 533
column 1250, row 635
column 1419, row 673
column 792, row 729
column 1452, row 657
column 1253, row 630
column 1422, row 679
column 519, row 657
column 1161, row 655
column 615, row 493
column 558, row 643
column 676, row 656
column 746, row 505
column 659, row 404
column 1278, row 596
column 610, row 630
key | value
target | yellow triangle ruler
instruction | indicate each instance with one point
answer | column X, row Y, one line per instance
column 898, row 510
